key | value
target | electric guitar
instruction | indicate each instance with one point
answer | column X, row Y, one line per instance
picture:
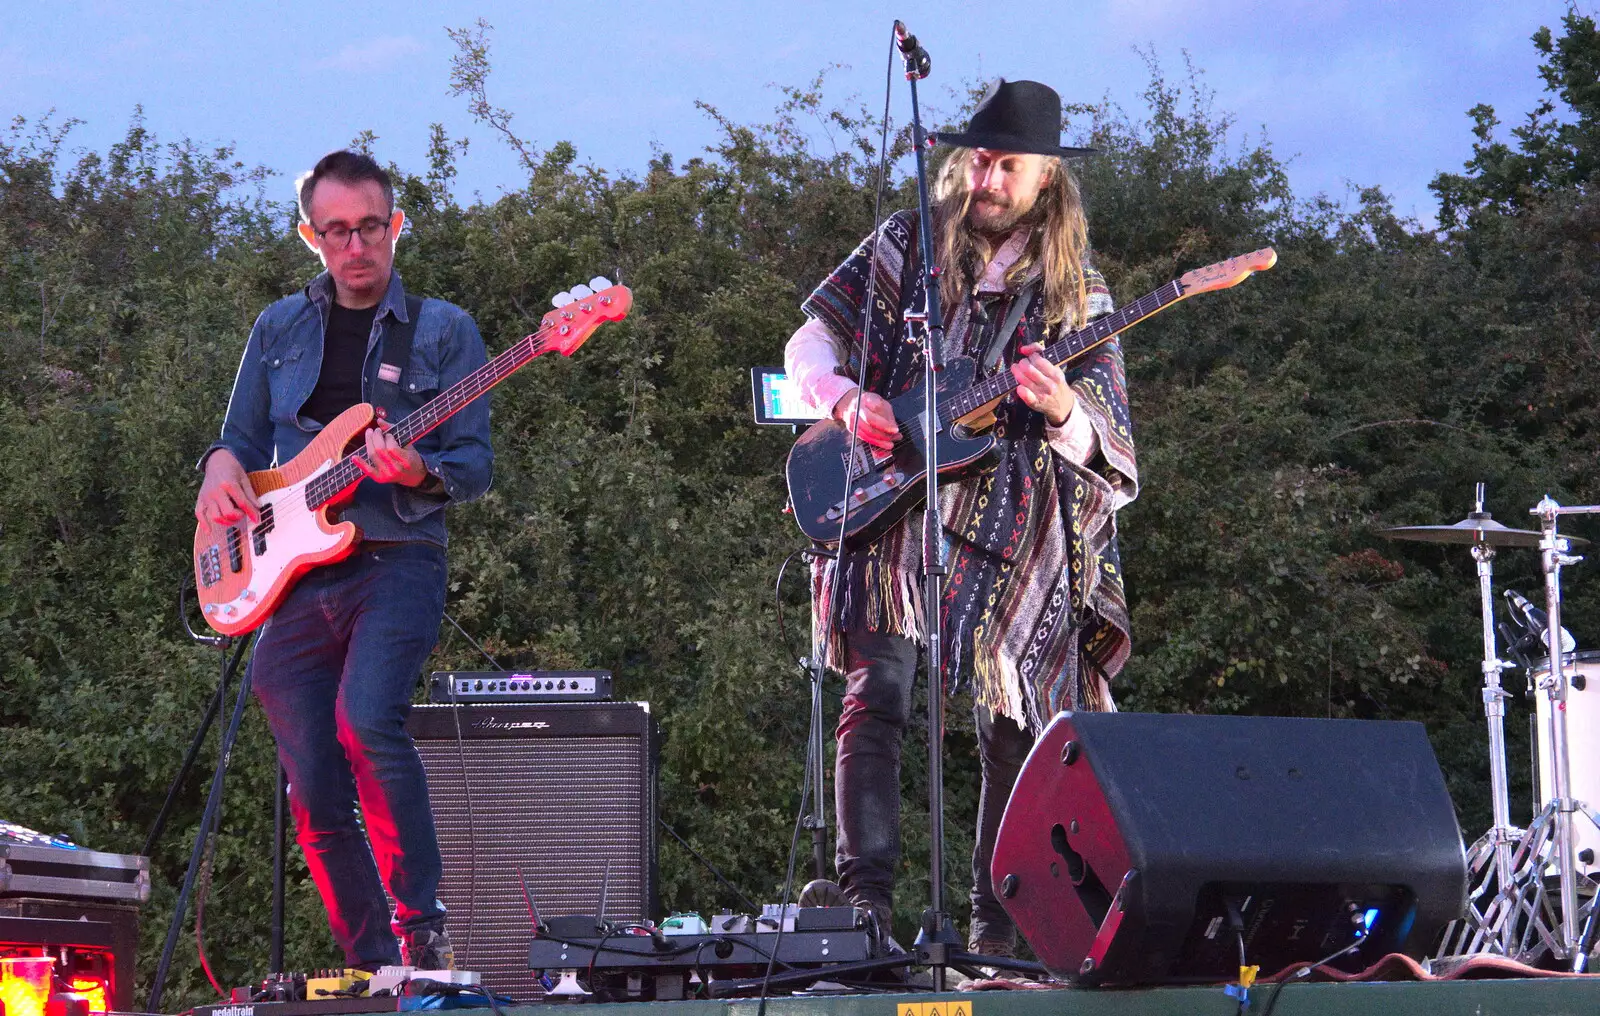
column 243, row 571
column 870, row 489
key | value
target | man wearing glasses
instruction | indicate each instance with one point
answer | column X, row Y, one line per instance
column 335, row 665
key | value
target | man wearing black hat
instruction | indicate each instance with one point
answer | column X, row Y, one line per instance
column 1033, row 609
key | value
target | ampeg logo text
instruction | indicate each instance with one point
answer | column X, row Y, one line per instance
column 491, row 723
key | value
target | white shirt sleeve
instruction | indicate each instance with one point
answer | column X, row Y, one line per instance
column 809, row 358
column 1075, row 440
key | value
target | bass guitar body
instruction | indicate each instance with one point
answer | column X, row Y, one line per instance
column 873, row 489
column 243, row 571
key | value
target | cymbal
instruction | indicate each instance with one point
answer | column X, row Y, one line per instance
column 1472, row 530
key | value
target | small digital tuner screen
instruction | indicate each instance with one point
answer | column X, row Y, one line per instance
column 777, row 398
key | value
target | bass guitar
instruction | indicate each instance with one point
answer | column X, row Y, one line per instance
column 243, row 571
column 833, row 478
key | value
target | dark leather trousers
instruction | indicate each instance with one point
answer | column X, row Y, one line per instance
column 877, row 707
column 1002, row 748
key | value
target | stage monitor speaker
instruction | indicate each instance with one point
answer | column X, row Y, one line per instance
column 558, row 792
column 1137, row 848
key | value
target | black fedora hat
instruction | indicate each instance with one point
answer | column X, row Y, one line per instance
column 1016, row 116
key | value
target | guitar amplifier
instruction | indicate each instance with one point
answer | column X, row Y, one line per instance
column 561, row 794
column 467, row 686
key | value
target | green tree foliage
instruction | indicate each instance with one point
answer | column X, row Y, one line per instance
column 1368, row 380
column 1556, row 147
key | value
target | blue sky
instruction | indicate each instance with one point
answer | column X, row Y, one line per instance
column 1353, row 91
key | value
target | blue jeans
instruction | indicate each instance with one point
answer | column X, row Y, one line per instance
column 334, row 669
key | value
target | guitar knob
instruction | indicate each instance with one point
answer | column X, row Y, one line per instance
column 600, row 282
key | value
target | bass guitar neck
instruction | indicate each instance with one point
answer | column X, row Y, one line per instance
column 243, row 571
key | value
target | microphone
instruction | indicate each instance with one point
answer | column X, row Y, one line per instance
column 903, row 38
column 1536, row 622
column 917, row 62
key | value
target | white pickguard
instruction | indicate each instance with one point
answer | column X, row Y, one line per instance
column 295, row 535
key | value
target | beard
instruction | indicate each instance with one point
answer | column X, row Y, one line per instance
column 993, row 213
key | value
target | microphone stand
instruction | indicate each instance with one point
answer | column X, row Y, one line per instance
column 210, row 816
column 938, row 947
column 937, row 939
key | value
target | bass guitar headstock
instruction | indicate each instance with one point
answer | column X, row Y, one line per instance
column 579, row 311
column 1229, row 273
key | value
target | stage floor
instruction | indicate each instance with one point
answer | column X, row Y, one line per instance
column 1568, row 996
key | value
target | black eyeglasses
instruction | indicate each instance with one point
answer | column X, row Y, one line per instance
column 339, row 236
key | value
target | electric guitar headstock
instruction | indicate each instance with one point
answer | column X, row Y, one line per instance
column 579, row 311
column 1229, row 273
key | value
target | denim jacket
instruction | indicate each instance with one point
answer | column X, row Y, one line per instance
column 281, row 363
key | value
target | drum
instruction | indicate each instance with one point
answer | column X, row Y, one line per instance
column 1583, row 748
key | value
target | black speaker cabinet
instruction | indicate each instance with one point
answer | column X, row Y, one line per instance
column 1136, row 848
column 558, row 793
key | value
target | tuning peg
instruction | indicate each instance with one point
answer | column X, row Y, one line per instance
column 600, row 282
column 562, row 299
column 580, row 291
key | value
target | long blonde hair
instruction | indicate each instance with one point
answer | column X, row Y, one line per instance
column 1058, row 242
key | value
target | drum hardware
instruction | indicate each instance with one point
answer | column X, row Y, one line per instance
column 1478, row 527
column 1493, row 856
column 1556, row 821
column 1509, row 910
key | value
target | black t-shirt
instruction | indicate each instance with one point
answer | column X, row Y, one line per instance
column 344, row 350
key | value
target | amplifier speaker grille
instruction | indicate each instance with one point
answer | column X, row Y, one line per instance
column 557, row 790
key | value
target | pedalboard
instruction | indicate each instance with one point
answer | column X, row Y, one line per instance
column 477, row 686
column 632, row 964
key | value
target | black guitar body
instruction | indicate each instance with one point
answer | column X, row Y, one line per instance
column 882, row 486
column 876, row 489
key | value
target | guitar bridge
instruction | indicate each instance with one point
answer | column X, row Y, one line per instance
column 891, row 480
column 210, row 566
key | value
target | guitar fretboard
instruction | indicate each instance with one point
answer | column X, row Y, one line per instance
column 1068, row 347
column 345, row 473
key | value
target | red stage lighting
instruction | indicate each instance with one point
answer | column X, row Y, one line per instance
column 26, row 983
column 96, row 989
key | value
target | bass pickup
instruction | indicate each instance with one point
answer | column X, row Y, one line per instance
column 469, row 686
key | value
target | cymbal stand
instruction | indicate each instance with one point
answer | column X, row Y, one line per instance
column 1555, row 822
column 1492, row 929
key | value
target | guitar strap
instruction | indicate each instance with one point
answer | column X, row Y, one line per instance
column 395, row 362
column 997, row 341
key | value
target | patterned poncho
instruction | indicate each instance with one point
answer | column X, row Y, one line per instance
column 1033, row 608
